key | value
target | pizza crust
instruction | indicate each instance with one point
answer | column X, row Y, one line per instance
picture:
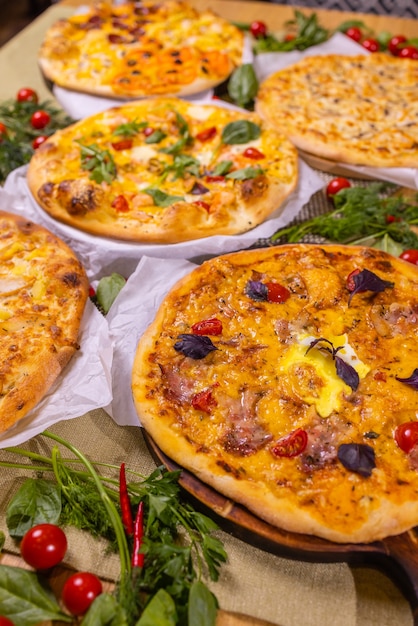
column 365, row 114
column 40, row 317
column 324, row 499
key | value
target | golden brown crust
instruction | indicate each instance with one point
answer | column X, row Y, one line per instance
column 211, row 185
column 222, row 416
column 126, row 51
column 359, row 109
column 43, row 291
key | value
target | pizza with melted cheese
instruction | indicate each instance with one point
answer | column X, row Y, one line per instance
column 43, row 291
column 359, row 109
column 164, row 171
column 137, row 49
column 287, row 379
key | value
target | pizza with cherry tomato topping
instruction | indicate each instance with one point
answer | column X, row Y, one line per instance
column 359, row 109
column 43, row 292
column 302, row 408
column 164, row 171
column 137, row 49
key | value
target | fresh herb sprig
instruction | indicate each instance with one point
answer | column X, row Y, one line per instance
column 361, row 216
column 178, row 544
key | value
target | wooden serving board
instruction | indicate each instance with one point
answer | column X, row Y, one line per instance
column 224, row 618
column 396, row 556
column 332, row 167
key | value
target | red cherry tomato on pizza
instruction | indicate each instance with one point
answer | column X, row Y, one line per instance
column 40, row 119
column 335, row 185
column 292, row 444
column 148, row 131
column 277, row 292
column 26, row 95
column 123, row 144
column 408, row 52
column 79, row 591
column 253, row 153
column 372, row 45
column 5, row 621
column 406, row 436
column 38, row 141
column 202, row 205
column 43, row 546
column 394, row 42
column 350, row 280
column 206, row 134
column 211, row 326
column 204, row 401
column 258, row 29
column 354, row 33
column 410, row 255
column 120, row 204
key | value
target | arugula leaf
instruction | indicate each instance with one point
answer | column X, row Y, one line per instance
column 98, row 162
column 246, row 173
column 36, row 501
column 185, row 136
column 241, row 131
column 161, row 198
column 24, row 600
column 130, row 129
column 182, row 164
column 308, row 32
column 155, row 137
column 222, row 168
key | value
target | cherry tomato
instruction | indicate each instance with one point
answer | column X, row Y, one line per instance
column 354, row 33
column 38, row 141
column 43, row 546
column 206, row 134
column 204, row 401
column 26, row 95
column 123, row 144
column 214, row 179
column 92, row 291
column 289, row 37
column 335, row 185
column 203, row 205
column 79, row 591
column 277, row 292
column 40, row 119
column 410, row 255
column 258, row 29
column 211, row 326
column 253, row 153
column 406, row 436
column 372, row 45
column 408, row 52
column 350, row 279
column 120, row 204
column 393, row 44
column 148, row 131
column 5, row 621
column 3, row 131
column 292, row 444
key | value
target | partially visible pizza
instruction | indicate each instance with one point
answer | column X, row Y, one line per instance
column 137, row 49
column 164, row 171
column 359, row 109
column 43, row 291
column 287, row 379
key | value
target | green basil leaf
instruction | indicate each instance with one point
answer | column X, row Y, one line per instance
column 107, row 290
column 241, row 131
column 105, row 611
column 221, row 168
column 24, row 600
column 202, row 607
column 160, row 611
column 161, row 198
column 155, row 137
column 243, row 85
column 37, row 501
column 246, row 173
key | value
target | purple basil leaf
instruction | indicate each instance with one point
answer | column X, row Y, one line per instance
column 368, row 281
column 347, row 373
column 411, row 380
column 357, row 457
column 198, row 189
column 256, row 290
column 316, row 341
column 194, row 346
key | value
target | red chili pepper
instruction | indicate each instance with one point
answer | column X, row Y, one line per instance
column 125, row 503
column 137, row 556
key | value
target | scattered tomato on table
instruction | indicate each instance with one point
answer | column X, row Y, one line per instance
column 335, row 185
column 410, row 255
column 79, row 592
column 43, row 546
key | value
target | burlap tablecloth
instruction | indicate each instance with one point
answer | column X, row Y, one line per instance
column 283, row 591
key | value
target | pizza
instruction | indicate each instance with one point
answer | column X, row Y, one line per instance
column 164, row 171
column 286, row 378
column 359, row 109
column 43, row 291
column 137, row 49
